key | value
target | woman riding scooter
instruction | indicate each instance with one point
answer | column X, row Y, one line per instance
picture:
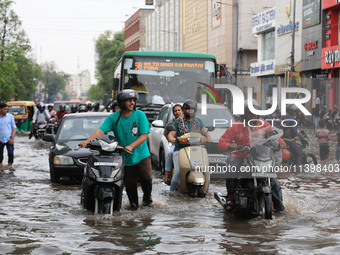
column 185, row 125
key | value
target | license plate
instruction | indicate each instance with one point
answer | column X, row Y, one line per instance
column 195, row 163
column 217, row 160
column 264, row 175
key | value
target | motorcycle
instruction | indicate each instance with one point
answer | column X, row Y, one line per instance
column 194, row 165
column 253, row 193
column 328, row 118
column 336, row 117
column 102, row 184
column 307, row 157
column 40, row 129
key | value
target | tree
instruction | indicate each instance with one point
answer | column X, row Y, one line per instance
column 109, row 48
column 18, row 73
column 54, row 81
column 95, row 93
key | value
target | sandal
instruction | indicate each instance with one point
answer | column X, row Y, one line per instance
column 229, row 206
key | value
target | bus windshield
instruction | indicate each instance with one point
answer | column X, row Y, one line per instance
column 166, row 79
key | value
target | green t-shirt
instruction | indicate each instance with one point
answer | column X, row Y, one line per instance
column 126, row 131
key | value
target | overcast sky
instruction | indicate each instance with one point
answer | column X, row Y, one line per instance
column 64, row 31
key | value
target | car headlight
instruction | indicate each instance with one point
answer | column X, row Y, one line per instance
column 63, row 160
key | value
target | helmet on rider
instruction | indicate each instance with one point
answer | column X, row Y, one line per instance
column 41, row 106
column 73, row 108
column 95, row 106
column 89, row 105
column 114, row 106
column 188, row 105
column 290, row 109
column 82, row 108
column 62, row 107
column 124, row 95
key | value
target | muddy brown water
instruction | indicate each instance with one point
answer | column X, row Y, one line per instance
column 37, row 217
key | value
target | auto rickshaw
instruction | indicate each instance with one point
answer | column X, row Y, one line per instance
column 23, row 112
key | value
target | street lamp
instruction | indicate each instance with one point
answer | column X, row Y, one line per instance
column 175, row 37
column 235, row 5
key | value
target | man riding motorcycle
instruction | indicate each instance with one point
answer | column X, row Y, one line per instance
column 41, row 115
column 185, row 125
column 290, row 134
column 238, row 134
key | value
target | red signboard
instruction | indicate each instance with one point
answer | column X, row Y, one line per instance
column 330, row 57
column 326, row 4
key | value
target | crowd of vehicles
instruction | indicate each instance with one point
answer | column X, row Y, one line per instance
column 161, row 79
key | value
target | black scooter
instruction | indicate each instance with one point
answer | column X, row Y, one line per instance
column 102, row 185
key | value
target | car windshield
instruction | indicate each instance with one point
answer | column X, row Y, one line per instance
column 79, row 128
column 17, row 109
column 169, row 80
column 218, row 118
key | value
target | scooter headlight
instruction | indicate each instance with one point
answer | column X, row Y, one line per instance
column 108, row 146
column 63, row 160
column 116, row 174
column 93, row 173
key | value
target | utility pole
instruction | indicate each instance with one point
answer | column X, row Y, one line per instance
column 293, row 39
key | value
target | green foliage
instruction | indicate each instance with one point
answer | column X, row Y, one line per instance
column 53, row 80
column 109, row 48
column 18, row 73
column 95, row 93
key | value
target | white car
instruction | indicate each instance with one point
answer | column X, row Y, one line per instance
column 159, row 145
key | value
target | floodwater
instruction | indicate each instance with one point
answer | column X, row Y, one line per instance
column 37, row 217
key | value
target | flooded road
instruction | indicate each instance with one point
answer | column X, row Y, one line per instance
column 37, row 217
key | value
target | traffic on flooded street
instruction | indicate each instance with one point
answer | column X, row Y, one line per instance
column 38, row 217
column 169, row 127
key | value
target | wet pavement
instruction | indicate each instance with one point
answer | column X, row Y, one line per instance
column 37, row 217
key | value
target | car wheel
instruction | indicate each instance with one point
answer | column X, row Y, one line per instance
column 161, row 161
column 53, row 175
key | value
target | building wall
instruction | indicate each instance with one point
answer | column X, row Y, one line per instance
column 135, row 30
column 195, row 26
column 283, row 42
column 163, row 26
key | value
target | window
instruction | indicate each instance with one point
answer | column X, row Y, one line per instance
column 269, row 45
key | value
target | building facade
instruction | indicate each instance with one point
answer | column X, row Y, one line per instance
column 330, row 53
column 164, row 26
column 135, row 30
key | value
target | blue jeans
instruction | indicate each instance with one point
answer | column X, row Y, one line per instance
column 316, row 122
column 10, row 152
column 296, row 152
column 168, row 160
column 176, row 177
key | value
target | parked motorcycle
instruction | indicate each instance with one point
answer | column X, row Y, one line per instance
column 194, row 165
column 102, row 185
column 253, row 193
column 303, row 143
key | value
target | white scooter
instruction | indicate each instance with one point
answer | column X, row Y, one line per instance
column 194, row 165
